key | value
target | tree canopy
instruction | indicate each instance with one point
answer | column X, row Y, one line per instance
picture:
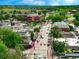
column 76, row 15
column 58, row 47
column 3, row 50
column 9, row 38
column 76, row 22
column 56, row 16
column 54, row 32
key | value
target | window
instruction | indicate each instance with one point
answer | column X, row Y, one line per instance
column 40, row 44
column 44, row 44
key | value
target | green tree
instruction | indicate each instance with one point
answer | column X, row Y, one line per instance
column 76, row 22
column 63, row 12
column 32, row 24
column 77, row 16
column 44, row 12
column 20, row 18
column 13, row 16
column 14, row 12
column 39, row 12
column 56, row 17
column 2, row 12
column 36, row 29
column 7, row 16
column 10, row 38
column 32, row 35
column 54, row 32
column 71, row 28
column 58, row 47
column 19, row 12
column 3, row 50
column 1, row 17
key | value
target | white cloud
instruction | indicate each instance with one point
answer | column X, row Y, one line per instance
column 34, row 2
column 55, row 4
column 39, row 3
column 27, row 1
column 69, row 1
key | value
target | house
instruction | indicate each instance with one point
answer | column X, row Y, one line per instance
column 77, row 32
column 69, row 38
column 77, row 29
column 5, row 24
column 20, row 28
column 72, row 43
column 26, row 37
column 33, row 17
column 74, row 11
column 62, row 26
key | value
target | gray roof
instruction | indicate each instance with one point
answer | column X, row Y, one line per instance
column 61, row 24
column 72, row 54
column 67, row 35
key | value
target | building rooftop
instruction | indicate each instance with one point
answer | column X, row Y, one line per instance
column 61, row 24
column 72, row 54
column 33, row 15
column 67, row 35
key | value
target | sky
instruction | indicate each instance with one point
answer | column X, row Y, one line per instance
column 39, row 2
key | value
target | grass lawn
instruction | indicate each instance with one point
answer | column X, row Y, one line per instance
column 22, row 10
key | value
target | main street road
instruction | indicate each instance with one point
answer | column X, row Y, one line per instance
column 41, row 49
